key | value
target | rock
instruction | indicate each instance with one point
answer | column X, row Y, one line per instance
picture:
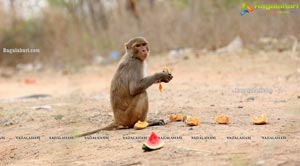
column 261, row 162
column 234, row 46
column 174, row 53
column 179, row 52
column 98, row 59
column 34, row 96
column 280, row 101
column 5, row 75
column 185, row 58
column 8, row 123
column 250, row 99
column 58, row 117
column 29, row 67
column 42, row 107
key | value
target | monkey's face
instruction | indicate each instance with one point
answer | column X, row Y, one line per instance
column 138, row 48
column 141, row 50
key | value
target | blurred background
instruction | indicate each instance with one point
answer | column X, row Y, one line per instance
column 76, row 33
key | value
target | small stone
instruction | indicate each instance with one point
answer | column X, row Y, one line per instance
column 58, row 117
column 240, row 106
column 8, row 123
column 250, row 99
column 185, row 58
column 280, row 101
column 261, row 162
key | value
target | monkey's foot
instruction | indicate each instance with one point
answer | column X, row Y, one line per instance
column 156, row 122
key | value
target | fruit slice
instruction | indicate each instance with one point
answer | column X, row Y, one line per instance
column 140, row 125
column 153, row 143
column 160, row 87
column 166, row 70
column 260, row 120
column 191, row 121
column 222, row 119
column 174, row 117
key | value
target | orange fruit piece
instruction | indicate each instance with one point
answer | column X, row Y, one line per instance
column 140, row 125
column 260, row 120
column 192, row 121
column 160, row 87
column 222, row 119
column 174, row 118
column 167, row 70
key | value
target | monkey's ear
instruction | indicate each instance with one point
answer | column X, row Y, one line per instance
column 126, row 46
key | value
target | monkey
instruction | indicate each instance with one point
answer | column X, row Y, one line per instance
column 128, row 95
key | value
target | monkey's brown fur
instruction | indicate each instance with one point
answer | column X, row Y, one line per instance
column 128, row 96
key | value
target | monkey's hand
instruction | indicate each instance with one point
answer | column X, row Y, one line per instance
column 164, row 77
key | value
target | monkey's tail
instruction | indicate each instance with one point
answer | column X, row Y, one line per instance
column 109, row 127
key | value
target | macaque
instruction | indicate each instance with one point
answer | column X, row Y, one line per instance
column 128, row 95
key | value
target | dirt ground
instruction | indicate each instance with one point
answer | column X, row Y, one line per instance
column 239, row 85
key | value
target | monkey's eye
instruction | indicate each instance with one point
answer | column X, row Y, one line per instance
column 144, row 44
column 138, row 45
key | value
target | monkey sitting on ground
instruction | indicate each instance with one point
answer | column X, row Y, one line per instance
column 128, row 96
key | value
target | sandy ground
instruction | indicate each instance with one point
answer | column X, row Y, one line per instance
column 203, row 86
